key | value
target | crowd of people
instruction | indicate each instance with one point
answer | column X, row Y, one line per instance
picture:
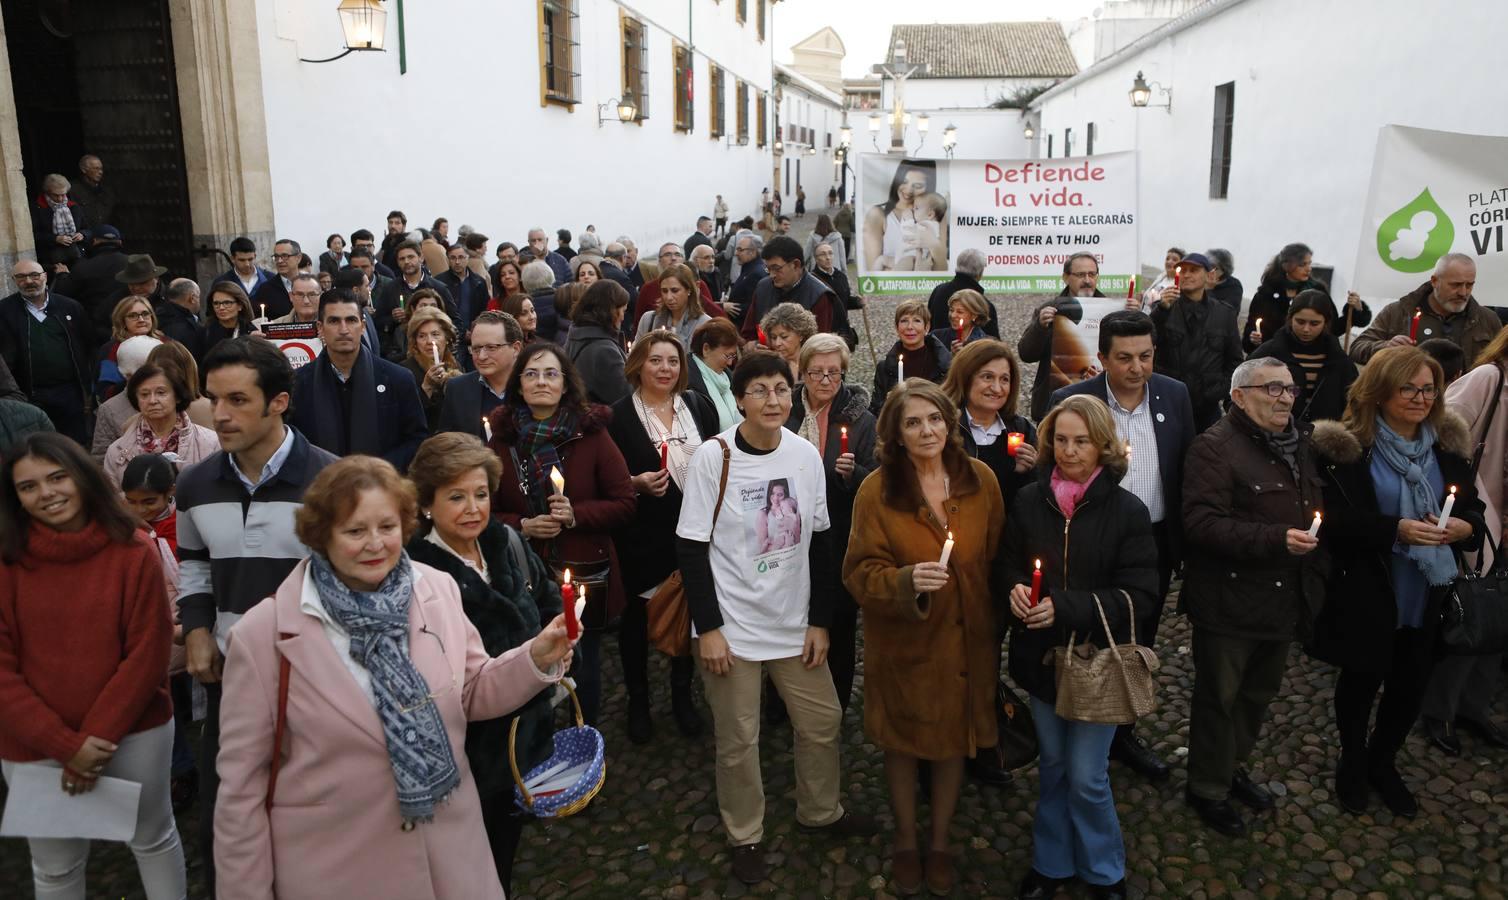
column 354, row 568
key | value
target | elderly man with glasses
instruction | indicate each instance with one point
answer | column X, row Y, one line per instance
column 1253, row 579
column 45, row 342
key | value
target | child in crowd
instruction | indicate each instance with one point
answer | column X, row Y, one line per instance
column 930, row 210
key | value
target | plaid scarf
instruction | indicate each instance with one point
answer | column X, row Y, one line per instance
column 148, row 442
column 62, row 218
column 538, row 450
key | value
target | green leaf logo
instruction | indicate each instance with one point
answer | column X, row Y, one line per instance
column 866, row 285
column 1415, row 237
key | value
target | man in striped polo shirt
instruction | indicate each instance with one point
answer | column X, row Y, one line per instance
column 235, row 525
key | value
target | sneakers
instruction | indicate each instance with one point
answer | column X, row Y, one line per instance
column 749, row 864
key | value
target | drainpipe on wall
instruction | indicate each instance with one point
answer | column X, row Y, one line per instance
column 402, row 43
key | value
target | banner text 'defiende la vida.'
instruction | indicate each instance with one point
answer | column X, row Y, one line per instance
column 1026, row 216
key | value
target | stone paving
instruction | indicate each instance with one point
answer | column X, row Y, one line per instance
column 654, row 830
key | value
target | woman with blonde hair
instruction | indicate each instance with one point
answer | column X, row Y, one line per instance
column 1093, row 540
column 926, row 622
column 131, row 317
column 967, row 311
column 1387, row 467
column 679, row 308
column 430, row 336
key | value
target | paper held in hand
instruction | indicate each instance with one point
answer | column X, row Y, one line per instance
column 38, row 807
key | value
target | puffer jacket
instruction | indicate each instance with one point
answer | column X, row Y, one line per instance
column 1107, row 547
column 1239, row 500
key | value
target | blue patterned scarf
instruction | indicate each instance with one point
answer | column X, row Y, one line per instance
column 418, row 746
column 1416, row 499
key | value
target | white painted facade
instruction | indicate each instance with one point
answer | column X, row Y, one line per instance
column 1313, row 84
column 984, row 132
column 464, row 133
column 810, row 116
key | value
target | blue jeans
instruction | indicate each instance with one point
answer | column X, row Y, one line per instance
column 1076, row 831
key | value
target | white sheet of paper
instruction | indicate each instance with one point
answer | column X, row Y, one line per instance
column 38, row 807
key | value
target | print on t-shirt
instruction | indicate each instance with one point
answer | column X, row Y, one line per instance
column 777, row 519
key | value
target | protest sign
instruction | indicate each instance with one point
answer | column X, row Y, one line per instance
column 299, row 341
column 1076, row 339
column 1432, row 193
column 1027, row 216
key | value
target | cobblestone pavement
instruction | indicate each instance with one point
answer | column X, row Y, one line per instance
column 654, row 831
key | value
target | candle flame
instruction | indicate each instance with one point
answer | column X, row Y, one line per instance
column 558, row 480
column 1039, row 565
column 844, row 429
column 1452, row 489
column 567, row 577
column 950, row 535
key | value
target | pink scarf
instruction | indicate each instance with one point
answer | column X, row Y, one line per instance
column 1069, row 492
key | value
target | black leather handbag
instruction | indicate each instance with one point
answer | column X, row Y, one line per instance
column 1016, row 744
column 1475, row 619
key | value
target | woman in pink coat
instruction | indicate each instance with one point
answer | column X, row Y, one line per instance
column 373, row 796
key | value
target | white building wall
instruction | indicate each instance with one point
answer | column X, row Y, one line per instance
column 1307, row 113
column 463, row 134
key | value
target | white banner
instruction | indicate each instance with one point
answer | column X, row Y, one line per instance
column 915, row 216
column 1432, row 193
column 298, row 341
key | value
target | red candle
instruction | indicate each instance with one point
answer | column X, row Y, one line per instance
column 1414, row 326
column 960, row 330
column 1131, row 288
column 665, row 455
column 1177, row 276
column 764, row 341
column 843, row 440
column 568, row 604
column 1037, row 583
column 1013, row 442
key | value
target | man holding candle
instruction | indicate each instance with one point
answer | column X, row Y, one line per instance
column 1153, row 415
column 1446, row 309
column 1198, row 341
column 1253, row 582
column 495, row 340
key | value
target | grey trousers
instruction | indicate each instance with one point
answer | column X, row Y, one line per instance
column 1463, row 686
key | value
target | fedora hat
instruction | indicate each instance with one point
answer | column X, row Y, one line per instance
column 139, row 268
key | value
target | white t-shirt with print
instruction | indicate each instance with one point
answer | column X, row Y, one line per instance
column 773, row 504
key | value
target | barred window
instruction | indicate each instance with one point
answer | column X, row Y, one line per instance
column 741, row 117
column 636, row 65
column 683, row 83
column 717, row 103
column 559, row 41
column 762, row 117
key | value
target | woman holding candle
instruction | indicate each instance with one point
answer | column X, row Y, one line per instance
column 506, row 592
column 1321, row 369
column 1289, row 274
column 547, row 427
column 382, row 672
column 967, row 311
column 915, row 354
column 1094, row 540
column 430, row 337
column 984, row 382
column 834, row 417
column 657, row 428
column 1153, row 293
column 230, row 314
column 926, row 623
column 1388, row 466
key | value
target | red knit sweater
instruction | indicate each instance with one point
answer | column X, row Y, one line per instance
column 84, row 638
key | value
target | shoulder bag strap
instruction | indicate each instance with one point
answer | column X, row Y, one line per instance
column 1492, row 411
column 520, row 558
column 284, row 672
column 722, row 484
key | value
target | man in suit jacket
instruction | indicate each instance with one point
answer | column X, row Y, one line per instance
column 1153, row 414
column 273, row 298
column 44, row 341
column 348, row 400
column 496, row 338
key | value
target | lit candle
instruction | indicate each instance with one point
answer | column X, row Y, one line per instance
column 842, row 440
column 558, row 480
column 947, row 550
column 1414, row 326
column 568, row 606
column 1128, row 453
column 1177, row 276
column 1450, row 503
column 900, row 368
column 1131, row 288
column 1314, row 529
column 436, row 348
column 1013, row 442
column 764, row 340
column 1258, row 329
column 264, row 312
column 664, row 455
column 960, row 329
column 487, row 429
column 1037, row 583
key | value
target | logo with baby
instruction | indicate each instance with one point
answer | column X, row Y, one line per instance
column 1413, row 238
column 772, row 521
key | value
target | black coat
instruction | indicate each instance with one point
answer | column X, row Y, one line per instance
column 1173, row 423
column 431, row 402
column 1240, row 500
column 15, row 339
column 91, row 281
column 1201, row 354
column 599, row 357
column 508, row 611
column 392, row 427
column 646, row 543
column 996, row 457
column 461, row 406
column 1355, row 628
column 850, row 408
column 1229, row 292
column 1035, row 345
column 1328, row 399
column 837, row 279
column 885, row 373
column 388, row 297
column 271, row 299
column 1106, row 548
column 1270, row 303
column 182, row 326
column 470, row 293
column 937, row 303
column 614, row 272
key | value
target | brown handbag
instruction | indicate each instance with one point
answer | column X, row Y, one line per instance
column 1113, row 686
column 669, row 616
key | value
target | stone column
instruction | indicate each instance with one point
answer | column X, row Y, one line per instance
column 15, row 215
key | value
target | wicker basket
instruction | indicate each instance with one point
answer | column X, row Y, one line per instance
column 573, row 747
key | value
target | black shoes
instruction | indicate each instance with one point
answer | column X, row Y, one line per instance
column 1136, row 755
column 1219, row 815
column 641, row 729
column 1115, row 891
column 1036, row 886
column 1395, row 794
column 684, row 711
column 852, row 824
column 749, row 864
column 1481, row 730
column 985, row 768
column 1351, row 787
column 1249, row 792
column 1443, row 735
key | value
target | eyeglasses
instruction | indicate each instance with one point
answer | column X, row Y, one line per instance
column 307, row 295
column 825, row 377
column 761, row 394
column 140, row 314
column 432, row 696
column 1274, row 388
column 1410, row 391
column 225, row 304
column 29, row 276
column 282, row 256
column 551, row 375
column 775, row 268
column 487, row 349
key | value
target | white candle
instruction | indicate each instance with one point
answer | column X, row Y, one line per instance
column 487, row 429
column 900, row 368
column 1450, row 503
column 947, row 550
column 1258, row 329
column 1314, row 529
column 264, row 312
column 558, row 480
column 436, row 348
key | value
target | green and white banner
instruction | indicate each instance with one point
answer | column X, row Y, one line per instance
column 1432, row 193
column 1027, row 216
